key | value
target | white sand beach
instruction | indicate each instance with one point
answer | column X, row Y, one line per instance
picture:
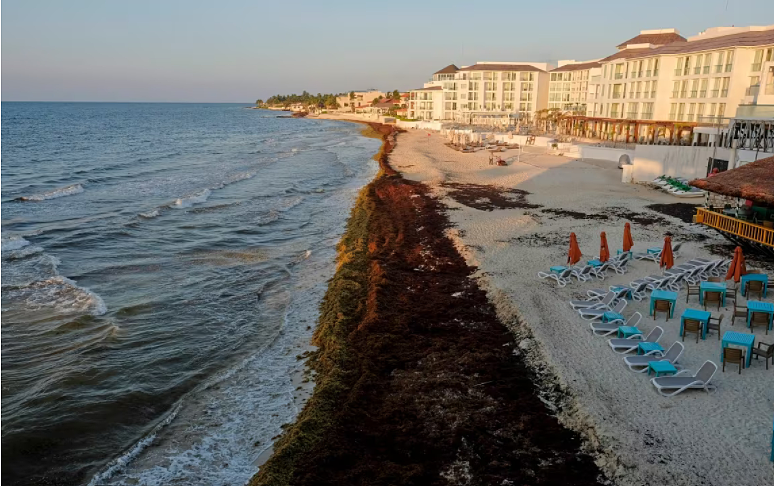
column 638, row 436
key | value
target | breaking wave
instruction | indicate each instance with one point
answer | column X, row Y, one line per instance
column 59, row 293
column 13, row 243
column 61, row 192
column 190, row 200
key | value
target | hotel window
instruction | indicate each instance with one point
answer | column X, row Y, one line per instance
column 490, row 86
column 422, row 105
column 604, row 71
column 756, row 65
column 526, row 86
column 703, row 88
column 509, row 76
column 715, row 88
column 474, row 86
column 676, row 89
column 729, row 61
column 655, row 67
column 721, row 110
column 679, row 68
column 476, row 76
column 631, row 111
column 687, row 69
column 646, row 93
column 649, row 68
column 509, row 86
column 647, row 111
column 614, row 110
column 525, row 106
column 724, row 87
column 684, row 89
column 707, row 62
column 672, row 111
column 509, row 96
column 473, row 106
column 755, row 82
column 490, row 105
column 631, row 89
column 619, row 71
column 527, row 77
column 680, row 110
column 508, row 106
column 699, row 112
column 463, row 87
column 489, row 76
column 769, row 55
column 473, row 95
column 526, row 96
column 653, row 89
column 463, row 96
column 694, row 88
column 719, row 62
column 691, row 111
column 490, row 96
column 711, row 113
column 553, row 76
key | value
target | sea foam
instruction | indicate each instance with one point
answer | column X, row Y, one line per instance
column 190, row 200
column 13, row 243
column 60, row 192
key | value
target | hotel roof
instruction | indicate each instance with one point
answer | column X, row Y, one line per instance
column 431, row 88
column 501, row 67
column 577, row 67
column 655, row 39
column 754, row 181
column 450, row 69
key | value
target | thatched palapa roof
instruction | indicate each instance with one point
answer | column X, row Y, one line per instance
column 753, row 181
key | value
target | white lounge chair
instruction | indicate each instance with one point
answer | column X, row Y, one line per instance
column 639, row 364
column 601, row 270
column 608, row 328
column 562, row 279
column 620, row 266
column 663, row 284
column 596, row 314
column 695, row 276
column 627, row 345
column 605, row 303
column 669, row 386
column 584, row 274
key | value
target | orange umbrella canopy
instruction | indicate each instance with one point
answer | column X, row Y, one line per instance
column 604, row 252
column 737, row 267
column 667, row 257
column 575, row 254
column 628, row 242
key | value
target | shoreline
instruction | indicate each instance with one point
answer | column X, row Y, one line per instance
column 417, row 380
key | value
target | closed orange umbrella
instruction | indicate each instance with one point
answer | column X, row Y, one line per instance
column 575, row 254
column 628, row 242
column 737, row 267
column 604, row 252
column 667, row 257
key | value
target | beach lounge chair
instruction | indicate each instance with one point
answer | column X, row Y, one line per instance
column 669, row 386
column 605, row 303
column 584, row 274
column 597, row 294
column 637, row 291
column 627, row 345
column 677, row 282
column 608, row 328
column 620, row 266
column 639, row 364
column 694, row 277
column 562, row 279
column 601, row 270
column 654, row 257
column 595, row 314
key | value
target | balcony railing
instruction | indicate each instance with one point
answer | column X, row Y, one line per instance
column 618, row 75
column 636, row 95
column 614, row 114
column 653, row 94
column 616, row 96
column 683, row 94
column 678, row 72
column 706, row 69
column 743, row 229
column 631, row 115
column 655, row 72
column 715, row 93
column 718, row 68
column 729, row 67
column 756, row 67
column 672, row 116
column 647, row 73
column 646, row 116
column 694, row 93
column 675, row 94
column 703, row 93
column 752, row 91
column 596, row 79
column 697, row 70
column 723, row 93
column 689, row 117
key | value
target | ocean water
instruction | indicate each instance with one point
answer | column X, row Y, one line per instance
column 162, row 265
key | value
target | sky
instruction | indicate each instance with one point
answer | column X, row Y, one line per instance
column 240, row 50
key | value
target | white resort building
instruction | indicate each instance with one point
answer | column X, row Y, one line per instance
column 568, row 86
column 486, row 92
column 660, row 84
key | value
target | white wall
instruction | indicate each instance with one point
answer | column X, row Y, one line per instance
column 651, row 161
column 603, row 153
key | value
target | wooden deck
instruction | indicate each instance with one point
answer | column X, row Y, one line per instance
column 742, row 229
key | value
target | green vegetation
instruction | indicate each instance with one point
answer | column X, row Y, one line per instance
column 319, row 100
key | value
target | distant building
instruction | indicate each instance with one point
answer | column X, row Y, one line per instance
column 568, row 85
column 505, row 92
column 357, row 99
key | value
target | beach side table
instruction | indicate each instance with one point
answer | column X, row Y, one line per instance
column 645, row 348
column 699, row 315
column 663, row 295
column 628, row 253
column 618, row 288
column 611, row 316
column 661, row 368
column 758, row 306
column 558, row 269
column 653, row 251
column 756, row 277
column 627, row 331
column 739, row 339
column 595, row 263
column 713, row 287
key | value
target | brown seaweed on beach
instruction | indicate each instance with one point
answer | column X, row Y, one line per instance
column 488, row 198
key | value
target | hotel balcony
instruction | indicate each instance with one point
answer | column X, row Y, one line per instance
column 752, row 90
column 614, row 114
column 729, row 67
column 632, row 115
column 647, row 73
column 693, row 94
column 718, row 68
column 706, row 69
column 703, row 93
column 756, row 67
column 616, row 96
column 646, row 116
column 697, row 70
column 618, row 75
column 723, row 93
column 675, row 94
column 678, row 72
column 714, row 93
